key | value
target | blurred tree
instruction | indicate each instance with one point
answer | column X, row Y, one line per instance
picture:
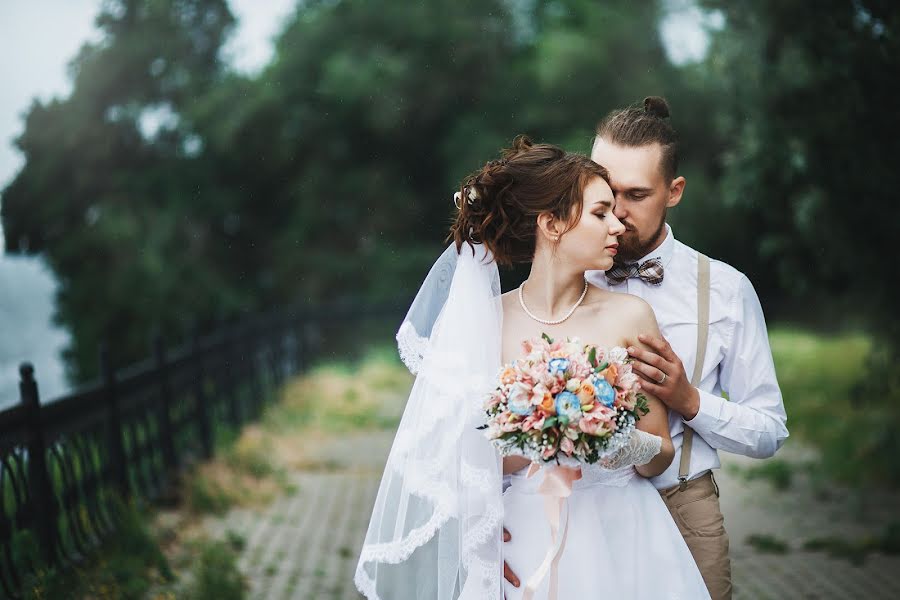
column 167, row 186
column 338, row 142
column 111, row 179
column 810, row 137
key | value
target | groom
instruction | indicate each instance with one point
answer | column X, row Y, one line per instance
column 639, row 147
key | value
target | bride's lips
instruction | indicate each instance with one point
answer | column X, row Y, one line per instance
column 613, row 248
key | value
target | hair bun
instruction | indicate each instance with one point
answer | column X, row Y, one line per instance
column 520, row 145
column 656, row 106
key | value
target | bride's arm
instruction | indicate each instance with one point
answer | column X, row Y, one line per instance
column 656, row 421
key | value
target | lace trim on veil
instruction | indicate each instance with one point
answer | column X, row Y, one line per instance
column 441, row 468
column 412, row 347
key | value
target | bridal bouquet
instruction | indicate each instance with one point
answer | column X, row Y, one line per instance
column 564, row 402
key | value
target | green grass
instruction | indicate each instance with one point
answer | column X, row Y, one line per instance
column 858, row 550
column 342, row 396
column 778, row 472
column 767, row 544
column 126, row 566
column 829, row 406
column 216, row 574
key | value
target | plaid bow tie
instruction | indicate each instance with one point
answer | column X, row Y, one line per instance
column 650, row 271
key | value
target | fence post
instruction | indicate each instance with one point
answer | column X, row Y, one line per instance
column 166, row 435
column 300, row 342
column 204, row 422
column 40, row 487
column 276, row 349
column 115, row 443
column 252, row 335
column 312, row 338
column 233, row 378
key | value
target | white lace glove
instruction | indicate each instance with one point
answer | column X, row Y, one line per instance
column 640, row 449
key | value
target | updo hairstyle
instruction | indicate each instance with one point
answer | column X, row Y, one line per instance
column 500, row 203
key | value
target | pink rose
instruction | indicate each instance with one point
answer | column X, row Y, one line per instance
column 594, row 426
column 532, row 422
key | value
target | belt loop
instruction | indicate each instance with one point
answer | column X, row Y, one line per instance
column 682, row 485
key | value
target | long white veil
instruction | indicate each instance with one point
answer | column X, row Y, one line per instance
column 435, row 531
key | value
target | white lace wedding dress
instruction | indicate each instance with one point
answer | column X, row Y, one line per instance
column 436, row 526
column 621, row 541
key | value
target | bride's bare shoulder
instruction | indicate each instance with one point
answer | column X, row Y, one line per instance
column 631, row 313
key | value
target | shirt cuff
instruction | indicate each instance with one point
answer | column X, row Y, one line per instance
column 708, row 415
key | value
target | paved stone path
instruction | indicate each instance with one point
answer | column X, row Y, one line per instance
column 304, row 547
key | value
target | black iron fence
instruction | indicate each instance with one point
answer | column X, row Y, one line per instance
column 64, row 464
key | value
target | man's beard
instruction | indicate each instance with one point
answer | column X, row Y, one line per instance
column 632, row 247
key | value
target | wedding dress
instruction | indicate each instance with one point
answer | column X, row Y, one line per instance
column 621, row 541
column 436, row 527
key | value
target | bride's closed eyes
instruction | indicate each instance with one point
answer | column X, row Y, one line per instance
column 603, row 209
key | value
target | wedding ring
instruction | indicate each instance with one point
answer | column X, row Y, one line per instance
column 663, row 380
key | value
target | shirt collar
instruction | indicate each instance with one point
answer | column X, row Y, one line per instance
column 664, row 251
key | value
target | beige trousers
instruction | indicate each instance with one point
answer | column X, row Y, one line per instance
column 698, row 516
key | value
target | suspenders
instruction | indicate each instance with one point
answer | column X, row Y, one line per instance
column 684, row 467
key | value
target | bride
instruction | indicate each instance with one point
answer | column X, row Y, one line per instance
column 436, row 527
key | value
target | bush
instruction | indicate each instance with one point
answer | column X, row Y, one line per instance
column 125, row 567
column 216, row 576
column 824, row 380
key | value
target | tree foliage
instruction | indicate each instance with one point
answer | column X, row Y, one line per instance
column 167, row 186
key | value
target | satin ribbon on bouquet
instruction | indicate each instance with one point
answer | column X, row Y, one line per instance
column 555, row 488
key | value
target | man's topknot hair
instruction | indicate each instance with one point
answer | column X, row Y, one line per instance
column 656, row 106
column 643, row 124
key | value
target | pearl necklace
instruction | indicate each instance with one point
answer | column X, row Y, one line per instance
column 558, row 321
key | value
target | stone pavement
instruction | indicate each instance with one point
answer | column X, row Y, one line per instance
column 304, row 547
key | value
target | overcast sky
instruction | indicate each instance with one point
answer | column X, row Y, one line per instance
column 39, row 37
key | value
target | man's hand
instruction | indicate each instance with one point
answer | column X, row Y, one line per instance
column 664, row 377
column 507, row 572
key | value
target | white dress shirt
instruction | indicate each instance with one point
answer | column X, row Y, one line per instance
column 738, row 359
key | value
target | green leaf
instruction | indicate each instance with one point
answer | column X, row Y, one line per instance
column 547, row 337
column 641, row 406
column 602, row 366
column 548, row 423
column 592, row 357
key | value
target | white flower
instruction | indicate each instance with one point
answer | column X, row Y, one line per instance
column 572, row 347
column 473, row 194
column 627, row 380
column 519, row 399
column 573, row 384
column 616, row 355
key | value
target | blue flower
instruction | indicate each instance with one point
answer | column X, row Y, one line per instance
column 558, row 365
column 605, row 392
column 568, row 405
